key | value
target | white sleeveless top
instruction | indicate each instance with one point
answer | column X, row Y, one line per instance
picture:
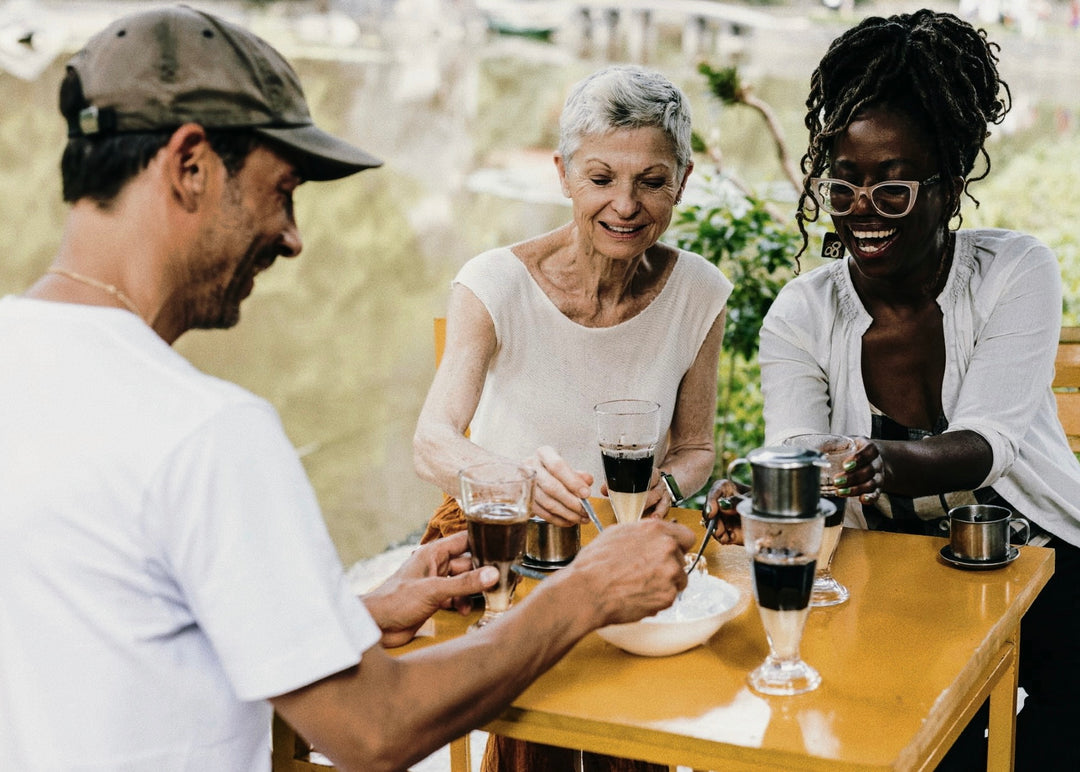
column 548, row 372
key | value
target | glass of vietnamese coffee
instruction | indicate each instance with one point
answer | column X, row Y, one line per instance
column 783, row 552
column 496, row 498
column 628, row 430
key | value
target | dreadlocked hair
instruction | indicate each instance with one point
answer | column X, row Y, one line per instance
column 935, row 68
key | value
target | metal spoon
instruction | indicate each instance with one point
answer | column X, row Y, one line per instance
column 709, row 530
column 704, row 543
column 592, row 514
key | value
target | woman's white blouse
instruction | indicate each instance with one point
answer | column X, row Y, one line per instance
column 1001, row 309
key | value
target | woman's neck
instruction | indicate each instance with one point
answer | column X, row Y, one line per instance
column 578, row 267
column 591, row 288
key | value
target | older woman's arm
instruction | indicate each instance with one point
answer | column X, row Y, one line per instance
column 691, row 451
column 440, row 446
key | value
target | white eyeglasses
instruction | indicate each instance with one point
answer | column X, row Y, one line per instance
column 892, row 198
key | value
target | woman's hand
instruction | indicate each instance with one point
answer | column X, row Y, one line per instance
column 864, row 473
column 559, row 488
column 437, row 575
column 657, row 500
column 723, row 497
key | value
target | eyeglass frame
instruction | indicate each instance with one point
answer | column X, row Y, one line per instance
column 868, row 191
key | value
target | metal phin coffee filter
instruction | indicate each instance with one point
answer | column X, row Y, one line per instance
column 549, row 544
column 785, row 481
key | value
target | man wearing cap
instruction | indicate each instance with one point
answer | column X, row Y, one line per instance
column 166, row 578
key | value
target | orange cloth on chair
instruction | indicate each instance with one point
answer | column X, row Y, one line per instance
column 448, row 519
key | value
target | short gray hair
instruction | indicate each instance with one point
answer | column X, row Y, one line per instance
column 625, row 96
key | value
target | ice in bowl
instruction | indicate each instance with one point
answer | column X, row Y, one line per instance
column 702, row 608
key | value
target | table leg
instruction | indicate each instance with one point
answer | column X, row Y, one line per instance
column 460, row 757
column 1001, row 746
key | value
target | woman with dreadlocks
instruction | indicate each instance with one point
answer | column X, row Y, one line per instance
column 935, row 347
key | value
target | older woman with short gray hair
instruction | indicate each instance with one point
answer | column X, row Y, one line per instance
column 598, row 309
column 626, row 97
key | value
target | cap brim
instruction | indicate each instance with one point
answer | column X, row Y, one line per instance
column 320, row 156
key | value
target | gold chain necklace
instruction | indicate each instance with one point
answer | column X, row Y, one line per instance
column 110, row 288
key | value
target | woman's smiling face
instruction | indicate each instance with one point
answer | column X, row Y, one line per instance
column 880, row 145
column 623, row 185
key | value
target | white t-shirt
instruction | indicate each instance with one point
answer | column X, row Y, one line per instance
column 1001, row 317
column 164, row 566
column 548, row 371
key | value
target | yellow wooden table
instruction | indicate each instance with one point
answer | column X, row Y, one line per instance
column 904, row 663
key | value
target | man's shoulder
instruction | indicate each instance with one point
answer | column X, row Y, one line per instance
column 111, row 353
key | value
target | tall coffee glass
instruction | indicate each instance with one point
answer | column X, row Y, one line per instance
column 628, row 430
column 497, row 498
column 783, row 552
column 836, row 449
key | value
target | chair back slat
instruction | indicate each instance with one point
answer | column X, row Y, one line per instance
column 1067, row 384
column 440, row 338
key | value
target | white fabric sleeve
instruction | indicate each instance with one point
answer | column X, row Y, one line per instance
column 1013, row 357
column 788, row 357
column 249, row 549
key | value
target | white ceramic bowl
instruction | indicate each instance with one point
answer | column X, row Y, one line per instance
column 706, row 604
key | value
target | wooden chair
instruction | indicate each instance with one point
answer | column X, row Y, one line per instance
column 440, row 338
column 1067, row 384
column 291, row 752
column 460, row 749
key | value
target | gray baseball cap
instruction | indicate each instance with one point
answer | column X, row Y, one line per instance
column 165, row 67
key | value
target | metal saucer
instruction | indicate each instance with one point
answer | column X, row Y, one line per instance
column 541, row 565
column 947, row 555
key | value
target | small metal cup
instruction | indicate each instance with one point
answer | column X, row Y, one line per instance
column 981, row 533
column 551, row 545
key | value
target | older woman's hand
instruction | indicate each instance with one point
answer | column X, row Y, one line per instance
column 657, row 500
column 559, row 488
column 864, row 473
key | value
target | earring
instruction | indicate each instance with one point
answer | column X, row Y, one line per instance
column 831, row 246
